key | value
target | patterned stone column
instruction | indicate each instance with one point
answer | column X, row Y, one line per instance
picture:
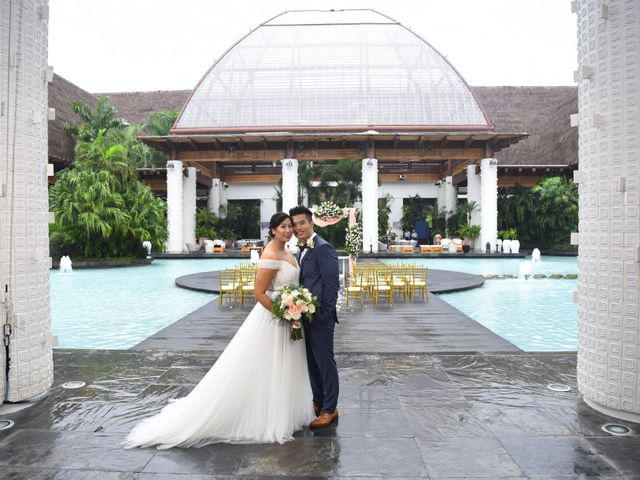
column 189, row 206
column 440, row 185
column 268, row 206
column 369, row 205
column 609, row 178
column 175, row 239
column 24, row 235
column 473, row 195
column 489, row 202
column 289, row 188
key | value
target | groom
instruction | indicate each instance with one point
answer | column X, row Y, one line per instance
column 319, row 273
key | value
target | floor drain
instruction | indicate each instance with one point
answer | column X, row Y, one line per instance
column 615, row 429
column 74, row 384
column 559, row 387
column 6, row 424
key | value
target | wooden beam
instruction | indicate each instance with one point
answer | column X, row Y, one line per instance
column 409, row 177
column 231, row 179
column 505, row 181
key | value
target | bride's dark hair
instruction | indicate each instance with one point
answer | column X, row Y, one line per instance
column 276, row 220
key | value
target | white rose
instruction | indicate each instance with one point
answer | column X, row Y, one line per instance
column 305, row 308
column 287, row 315
column 296, row 316
column 312, row 308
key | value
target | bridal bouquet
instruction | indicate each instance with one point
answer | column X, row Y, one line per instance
column 293, row 303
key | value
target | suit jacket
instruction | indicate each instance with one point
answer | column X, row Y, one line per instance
column 319, row 272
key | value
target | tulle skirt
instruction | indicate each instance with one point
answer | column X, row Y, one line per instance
column 257, row 392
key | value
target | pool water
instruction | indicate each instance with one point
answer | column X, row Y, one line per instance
column 535, row 315
column 116, row 308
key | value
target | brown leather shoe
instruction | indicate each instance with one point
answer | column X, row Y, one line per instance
column 324, row 419
column 316, row 409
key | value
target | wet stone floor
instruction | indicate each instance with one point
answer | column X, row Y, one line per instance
column 401, row 416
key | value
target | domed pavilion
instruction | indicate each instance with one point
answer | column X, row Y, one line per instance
column 324, row 86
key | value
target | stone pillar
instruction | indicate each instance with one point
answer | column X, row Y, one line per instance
column 24, row 208
column 609, row 182
column 473, row 195
column 442, row 203
column 370, row 205
column 395, row 216
column 489, row 202
column 224, row 199
column 175, row 238
column 213, row 203
column 189, row 206
column 450, row 197
column 268, row 206
column 289, row 183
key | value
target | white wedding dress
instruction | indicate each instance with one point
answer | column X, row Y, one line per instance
column 257, row 392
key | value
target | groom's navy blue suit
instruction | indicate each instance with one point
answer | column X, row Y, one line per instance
column 319, row 273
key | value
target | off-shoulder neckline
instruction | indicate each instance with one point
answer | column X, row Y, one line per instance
column 285, row 261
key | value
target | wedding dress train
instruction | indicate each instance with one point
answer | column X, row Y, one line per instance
column 258, row 390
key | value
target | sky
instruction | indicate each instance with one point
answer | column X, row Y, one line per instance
column 144, row 45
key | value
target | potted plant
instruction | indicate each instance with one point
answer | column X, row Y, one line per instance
column 507, row 237
column 469, row 233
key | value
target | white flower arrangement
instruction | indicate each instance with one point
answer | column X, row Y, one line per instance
column 329, row 210
column 353, row 240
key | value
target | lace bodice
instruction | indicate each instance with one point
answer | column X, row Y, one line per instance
column 287, row 273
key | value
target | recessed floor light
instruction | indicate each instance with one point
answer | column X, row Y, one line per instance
column 559, row 387
column 73, row 384
column 5, row 424
column 615, row 429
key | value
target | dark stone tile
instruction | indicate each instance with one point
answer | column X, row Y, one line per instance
column 18, row 473
column 412, row 383
column 303, row 457
column 525, row 369
column 374, row 423
column 37, row 447
column 102, row 451
column 187, row 359
column 183, row 375
column 504, row 395
column 549, row 456
column 522, row 422
column 467, row 457
column 218, row 458
column 445, row 422
column 86, row 416
column 178, row 476
column 585, row 420
column 622, row 452
column 117, row 388
column 378, row 457
column 365, row 399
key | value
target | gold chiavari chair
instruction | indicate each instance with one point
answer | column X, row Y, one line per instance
column 229, row 286
column 419, row 283
column 353, row 287
column 246, row 275
column 383, row 286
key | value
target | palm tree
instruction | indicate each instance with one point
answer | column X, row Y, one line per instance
column 348, row 174
column 160, row 123
column 102, row 117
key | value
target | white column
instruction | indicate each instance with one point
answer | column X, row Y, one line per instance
column 189, row 206
column 441, row 197
column 473, row 195
column 289, row 183
column 224, row 199
column 175, row 238
column 24, row 207
column 609, row 182
column 450, row 196
column 395, row 216
column 213, row 203
column 268, row 206
column 370, row 205
column 489, row 202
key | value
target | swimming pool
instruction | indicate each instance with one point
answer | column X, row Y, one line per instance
column 116, row 308
column 535, row 315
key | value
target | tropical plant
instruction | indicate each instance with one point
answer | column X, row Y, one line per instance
column 413, row 209
column 160, row 123
column 469, row 231
column 101, row 117
column 508, row 234
column 348, row 175
column 384, row 211
column 207, row 223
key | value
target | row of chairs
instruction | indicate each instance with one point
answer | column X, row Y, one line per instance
column 375, row 282
column 237, row 283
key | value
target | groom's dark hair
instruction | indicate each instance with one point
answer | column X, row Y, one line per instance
column 301, row 210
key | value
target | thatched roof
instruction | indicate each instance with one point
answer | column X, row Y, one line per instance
column 136, row 106
column 61, row 94
column 543, row 112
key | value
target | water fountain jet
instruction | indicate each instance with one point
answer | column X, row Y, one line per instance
column 66, row 264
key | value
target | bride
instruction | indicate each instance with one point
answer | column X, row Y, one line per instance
column 258, row 391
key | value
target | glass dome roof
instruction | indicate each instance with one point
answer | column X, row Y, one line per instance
column 346, row 68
